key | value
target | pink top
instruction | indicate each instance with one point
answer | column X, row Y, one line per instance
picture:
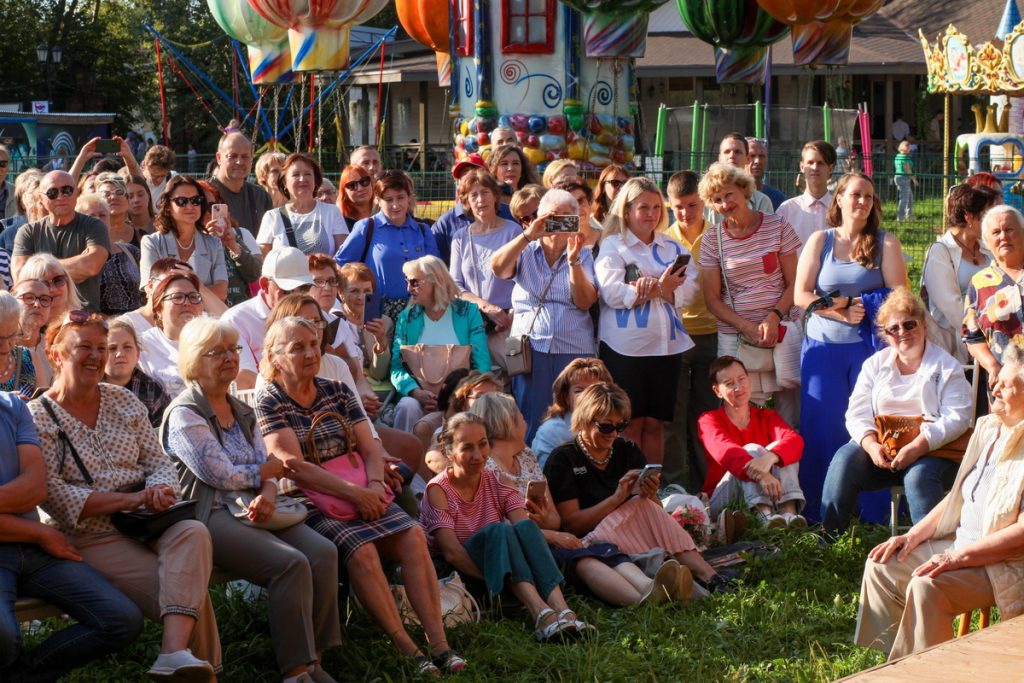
column 492, row 503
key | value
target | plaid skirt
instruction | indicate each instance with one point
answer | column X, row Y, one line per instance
column 350, row 536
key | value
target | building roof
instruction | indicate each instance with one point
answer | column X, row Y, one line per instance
column 977, row 19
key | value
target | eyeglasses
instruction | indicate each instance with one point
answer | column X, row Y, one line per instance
column 413, row 283
column 321, row 283
column 84, row 318
column 8, row 338
column 116, row 192
column 4, row 163
column 56, row 281
column 609, row 427
column 182, row 202
column 365, row 181
column 616, row 183
column 43, row 300
column 319, row 323
column 224, row 353
column 906, row 325
column 54, row 192
column 179, row 298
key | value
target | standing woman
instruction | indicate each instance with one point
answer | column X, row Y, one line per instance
column 268, row 172
column 641, row 337
column 303, row 222
column 355, row 195
column 854, row 256
column 180, row 234
column 555, row 288
column 611, row 180
column 509, row 166
column 140, row 204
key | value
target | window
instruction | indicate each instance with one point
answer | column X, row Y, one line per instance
column 528, row 26
column 464, row 28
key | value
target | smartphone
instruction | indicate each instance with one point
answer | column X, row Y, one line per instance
column 680, row 263
column 632, row 273
column 646, row 473
column 374, row 304
column 563, row 223
column 536, row 490
column 107, row 146
column 219, row 213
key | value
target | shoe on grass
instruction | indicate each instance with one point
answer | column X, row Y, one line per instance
column 684, row 585
column 181, row 667
column 732, row 524
column 663, row 587
column 795, row 521
column 775, row 521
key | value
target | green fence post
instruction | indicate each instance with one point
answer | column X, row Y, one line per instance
column 826, row 115
column 659, row 133
column 759, row 119
column 694, row 134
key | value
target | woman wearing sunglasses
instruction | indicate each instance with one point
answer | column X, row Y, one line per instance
column 176, row 301
column 910, row 378
column 598, row 490
column 355, row 194
column 181, row 234
column 611, row 180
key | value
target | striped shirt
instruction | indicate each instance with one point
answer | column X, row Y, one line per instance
column 751, row 267
column 561, row 327
column 492, row 503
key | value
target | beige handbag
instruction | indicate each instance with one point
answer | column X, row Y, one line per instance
column 457, row 605
column 430, row 364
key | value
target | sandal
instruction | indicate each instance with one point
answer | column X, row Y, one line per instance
column 425, row 667
column 581, row 627
column 450, row 661
column 554, row 631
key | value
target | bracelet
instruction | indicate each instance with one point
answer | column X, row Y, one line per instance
column 777, row 313
column 575, row 262
column 523, row 235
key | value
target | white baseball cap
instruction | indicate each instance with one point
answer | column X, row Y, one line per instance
column 287, row 267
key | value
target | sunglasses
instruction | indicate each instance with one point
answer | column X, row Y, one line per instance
column 616, row 183
column 116, row 192
column 56, row 281
column 906, row 326
column 55, row 192
column 182, row 202
column 4, row 163
column 413, row 283
column 609, row 427
column 365, row 181
column 528, row 218
column 179, row 298
column 43, row 300
column 84, row 318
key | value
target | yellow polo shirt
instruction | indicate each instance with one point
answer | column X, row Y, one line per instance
column 696, row 318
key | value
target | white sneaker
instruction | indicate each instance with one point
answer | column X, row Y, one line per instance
column 775, row 521
column 181, row 667
column 795, row 521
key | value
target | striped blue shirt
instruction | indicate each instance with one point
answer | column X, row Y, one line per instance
column 561, row 327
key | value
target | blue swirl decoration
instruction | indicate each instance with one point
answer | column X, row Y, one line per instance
column 469, row 83
column 514, row 72
column 603, row 92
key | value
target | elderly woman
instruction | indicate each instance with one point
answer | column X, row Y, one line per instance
column 18, row 373
column 389, row 239
column 555, row 288
column 748, row 269
column 643, row 284
column 45, row 268
column 596, row 485
column 213, row 437
column 365, row 335
column 856, row 258
column 509, row 166
column 286, row 408
column 355, row 195
column 968, row 552
column 752, row 454
column 268, row 172
column 910, row 378
column 611, row 180
column 119, row 279
column 556, row 427
column 180, row 233
column 465, row 512
column 123, row 351
column 140, row 204
column 36, row 302
column 436, row 317
column 118, row 466
column 176, row 301
column 311, row 226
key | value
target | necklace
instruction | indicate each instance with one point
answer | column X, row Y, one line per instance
column 586, row 452
column 7, row 366
column 186, row 247
column 973, row 255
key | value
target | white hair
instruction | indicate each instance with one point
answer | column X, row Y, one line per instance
column 10, row 307
column 993, row 215
column 554, row 199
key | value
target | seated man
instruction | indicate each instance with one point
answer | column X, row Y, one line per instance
column 38, row 561
column 968, row 552
column 752, row 453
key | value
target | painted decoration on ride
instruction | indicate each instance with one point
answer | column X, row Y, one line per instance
column 426, row 22
column 821, row 29
column 739, row 30
column 615, row 28
column 318, row 30
column 270, row 59
column 957, row 66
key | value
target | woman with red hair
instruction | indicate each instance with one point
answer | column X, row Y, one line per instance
column 355, row 194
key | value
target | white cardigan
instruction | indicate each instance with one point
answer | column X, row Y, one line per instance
column 939, row 276
column 944, row 390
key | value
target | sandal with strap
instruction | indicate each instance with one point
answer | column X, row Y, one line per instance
column 425, row 667
column 554, row 631
column 450, row 661
column 581, row 627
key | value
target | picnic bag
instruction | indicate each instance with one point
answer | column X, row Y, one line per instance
column 431, row 364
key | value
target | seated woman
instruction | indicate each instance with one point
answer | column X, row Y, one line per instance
column 965, row 553
column 592, row 483
column 368, row 340
column 243, row 259
column 556, row 427
column 36, row 302
column 19, row 373
column 285, row 408
column 176, row 301
column 437, row 317
column 214, row 437
column 120, row 467
column 910, row 378
column 143, row 318
column 753, row 455
column 123, row 351
column 481, row 528
column 606, row 572
column 460, row 390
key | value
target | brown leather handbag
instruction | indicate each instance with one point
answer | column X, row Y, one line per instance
column 896, row 431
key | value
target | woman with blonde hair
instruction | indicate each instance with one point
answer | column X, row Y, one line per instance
column 524, row 203
column 560, row 172
column 46, row 268
column 268, row 171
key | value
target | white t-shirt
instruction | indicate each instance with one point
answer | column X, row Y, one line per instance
column 159, row 360
column 900, row 396
column 314, row 231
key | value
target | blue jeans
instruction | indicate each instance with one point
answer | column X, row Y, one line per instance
column 105, row 619
column 852, row 471
column 905, row 207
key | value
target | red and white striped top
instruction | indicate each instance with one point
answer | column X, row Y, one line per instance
column 492, row 503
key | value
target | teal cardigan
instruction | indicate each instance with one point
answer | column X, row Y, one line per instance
column 469, row 329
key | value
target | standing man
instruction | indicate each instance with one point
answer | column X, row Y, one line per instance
column 8, row 204
column 757, row 165
column 368, row 158
column 247, row 202
column 80, row 242
column 503, row 136
column 733, row 150
column 806, row 213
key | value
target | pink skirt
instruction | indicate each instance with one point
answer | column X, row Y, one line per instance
column 638, row 525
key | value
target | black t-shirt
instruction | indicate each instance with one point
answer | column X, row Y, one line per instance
column 247, row 206
column 571, row 476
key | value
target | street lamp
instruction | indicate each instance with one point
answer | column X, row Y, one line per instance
column 49, row 58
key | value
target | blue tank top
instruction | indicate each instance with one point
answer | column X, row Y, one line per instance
column 851, row 279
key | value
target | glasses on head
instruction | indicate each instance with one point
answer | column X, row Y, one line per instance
column 115, row 192
column 84, row 318
column 224, row 353
column 617, row 183
column 609, row 427
column 56, row 281
column 322, row 283
column 43, row 300
column 182, row 202
column 365, row 181
column 180, row 298
column 55, row 192
column 905, row 326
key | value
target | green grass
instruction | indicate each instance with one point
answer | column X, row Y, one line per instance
column 791, row 620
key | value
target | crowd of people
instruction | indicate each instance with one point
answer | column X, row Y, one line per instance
column 326, row 385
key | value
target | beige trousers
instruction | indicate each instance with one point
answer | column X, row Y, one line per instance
column 171, row 575
column 901, row 614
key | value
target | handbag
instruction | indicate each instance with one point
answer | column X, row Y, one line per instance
column 755, row 358
column 457, row 604
column 786, row 354
column 431, row 364
column 896, row 431
column 287, row 511
column 955, row 449
column 348, row 465
column 519, row 350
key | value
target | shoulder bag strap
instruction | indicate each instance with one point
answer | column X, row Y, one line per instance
column 543, row 296
column 476, row 267
column 369, row 239
column 62, row 435
column 721, row 264
column 289, row 231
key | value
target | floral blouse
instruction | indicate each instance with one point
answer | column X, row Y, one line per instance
column 993, row 312
column 23, row 380
column 529, row 470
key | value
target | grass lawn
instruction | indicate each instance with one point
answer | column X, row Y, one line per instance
column 791, row 620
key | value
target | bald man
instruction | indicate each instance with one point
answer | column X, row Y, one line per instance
column 247, row 202
column 80, row 242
